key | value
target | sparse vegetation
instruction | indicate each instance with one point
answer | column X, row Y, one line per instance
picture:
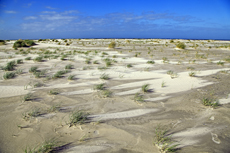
column 145, row 88
column 69, row 66
column 38, row 59
column 46, row 147
column 104, row 76
column 150, row 62
column 77, row 117
column 112, row 44
column 192, row 74
column 9, row 75
column 163, row 141
column 138, row 98
column 99, row 86
column 181, row 45
column 210, row 102
column 23, row 43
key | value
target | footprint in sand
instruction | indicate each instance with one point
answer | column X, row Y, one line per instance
column 215, row 138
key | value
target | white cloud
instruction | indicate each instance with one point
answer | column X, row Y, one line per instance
column 10, row 12
column 51, row 8
column 48, row 12
column 70, row 12
column 56, row 17
column 30, row 18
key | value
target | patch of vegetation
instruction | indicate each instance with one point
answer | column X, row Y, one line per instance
column 69, row 66
column 28, row 58
column 35, row 112
column 2, row 42
column 77, row 117
column 220, row 63
column 53, row 92
column 106, row 93
column 112, row 44
column 38, row 84
column 190, row 68
column 33, row 69
column 129, row 65
column 138, row 98
column 150, row 62
column 27, row 97
column 46, row 147
column 102, row 68
column 10, row 66
column 163, row 141
column 9, row 75
column 71, row 77
column 192, row 74
column 59, row 74
column 19, row 61
column 38, row 59
column 99, row 86
column 181, row 45
column 23, row 43
column 145, row 88
column 19, row 71
column 165, row 59
column 104, row 76
column 210, row 102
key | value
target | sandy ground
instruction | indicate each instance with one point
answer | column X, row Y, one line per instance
column 118, row 123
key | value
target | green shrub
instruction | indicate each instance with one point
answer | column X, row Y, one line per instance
column 28, row 58
column 2, row 42
column 210, row 102
column 104, row 76
column 33, row 69
column 71, row 77
column 38, row 59
column 69, row 66
column 59, row 74
column 181, row 45
column 19, row 61
column 77, row 117
column 150, row 62
column 112, row 44
column 23, row 43
column 9, row 66
column 9, row 75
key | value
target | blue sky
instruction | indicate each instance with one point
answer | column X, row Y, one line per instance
column 192, row 19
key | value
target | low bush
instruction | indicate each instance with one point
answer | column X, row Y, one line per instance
column 9, row 75
column 23, row 43
column 181, row 45
column 112, row 44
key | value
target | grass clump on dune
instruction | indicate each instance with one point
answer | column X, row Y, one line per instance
column 181, row 45
column 112, row 44
column 33, row 69
column 150, row 62
column 69, row 66
column 23, row 43
column 210, row 102
column 46, row 147
column 104, row 76
column 163, row 141
column 10, row 66
column 9, row 75
column 59, row 74
column 38, row 59
column 99, row 86
column 138, row 98
column 145, row 88
column 77, row 117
